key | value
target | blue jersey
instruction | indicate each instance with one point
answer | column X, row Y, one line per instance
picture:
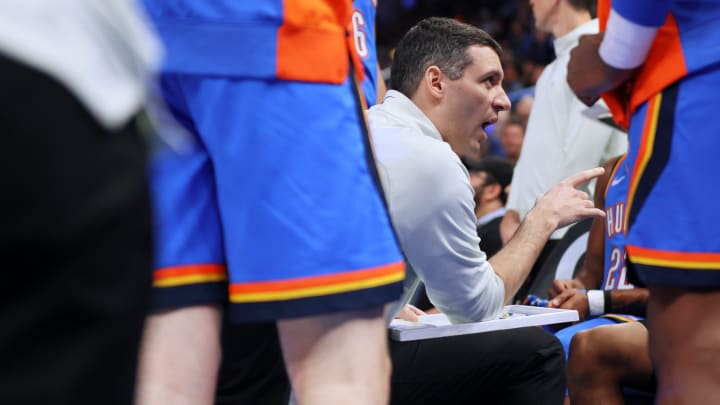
column 686, row 43
column 615, row 276
column 299, row 40
column 363, row 31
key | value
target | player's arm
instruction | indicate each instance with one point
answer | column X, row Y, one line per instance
column 630, row 32
column 632, row 301
column 603, row 61
column 591, row 272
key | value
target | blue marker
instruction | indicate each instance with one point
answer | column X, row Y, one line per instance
column 535, row 301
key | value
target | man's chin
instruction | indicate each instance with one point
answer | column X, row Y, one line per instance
column 476, row 147
column 475, row 151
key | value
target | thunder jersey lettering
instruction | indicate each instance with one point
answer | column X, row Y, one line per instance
column 615, row 276
column 363, row 31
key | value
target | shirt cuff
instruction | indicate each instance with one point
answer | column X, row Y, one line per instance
column 626, row 44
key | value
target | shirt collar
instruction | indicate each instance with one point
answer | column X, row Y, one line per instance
column 398, row 105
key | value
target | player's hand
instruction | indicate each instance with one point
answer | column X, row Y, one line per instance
column 558, row 286
column 588, row 75
column 572, row 299
column 410, row 313
column 564, row 204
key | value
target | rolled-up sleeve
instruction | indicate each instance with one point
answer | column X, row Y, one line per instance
column 432, row 208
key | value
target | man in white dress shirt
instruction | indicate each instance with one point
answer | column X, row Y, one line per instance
column 559, row 139
column 446, row 82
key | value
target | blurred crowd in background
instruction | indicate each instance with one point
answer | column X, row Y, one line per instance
column 525, row 50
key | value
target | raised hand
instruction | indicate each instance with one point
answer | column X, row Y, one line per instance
column 564, row 204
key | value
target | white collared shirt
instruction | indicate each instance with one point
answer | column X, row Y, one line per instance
column 559, row 141
column 433, row 212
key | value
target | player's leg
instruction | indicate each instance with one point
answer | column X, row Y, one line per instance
column 179, row 357
column 565, row 335
column 307, row 236
column 326, row 361
column 181, row 343
column 604, row 359
column 685, row 344
column 677, row 254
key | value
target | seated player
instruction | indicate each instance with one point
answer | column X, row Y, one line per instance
column 600, row 292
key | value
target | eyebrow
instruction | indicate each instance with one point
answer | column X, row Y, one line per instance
column 494, row 72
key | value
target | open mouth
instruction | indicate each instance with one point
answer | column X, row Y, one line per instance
column 488, row 123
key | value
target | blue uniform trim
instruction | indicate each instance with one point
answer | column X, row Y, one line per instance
column 189, row 295
column 235, row 50
column 697, row 279
column 650, row 13
column 350, row 301
column 660, row 152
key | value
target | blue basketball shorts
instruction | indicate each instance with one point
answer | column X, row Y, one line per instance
column 275, row 206
column 565, row 335
column 673, row 217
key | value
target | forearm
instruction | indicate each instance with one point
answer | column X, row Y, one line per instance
column 632, row 301
column 590, row 275
column 587, row 281
column 513, row 263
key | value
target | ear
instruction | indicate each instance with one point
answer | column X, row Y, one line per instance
column 433, row 80
column 491, row 192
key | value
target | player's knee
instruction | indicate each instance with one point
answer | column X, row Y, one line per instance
column 584, row 354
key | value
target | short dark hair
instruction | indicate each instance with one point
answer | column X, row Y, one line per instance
column 498, row 171
column 442, row 42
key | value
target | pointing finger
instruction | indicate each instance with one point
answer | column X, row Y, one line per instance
column 585, row 175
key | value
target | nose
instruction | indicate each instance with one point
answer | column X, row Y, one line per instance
column 501, row 102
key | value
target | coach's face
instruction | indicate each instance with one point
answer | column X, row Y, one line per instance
column 473, row 101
